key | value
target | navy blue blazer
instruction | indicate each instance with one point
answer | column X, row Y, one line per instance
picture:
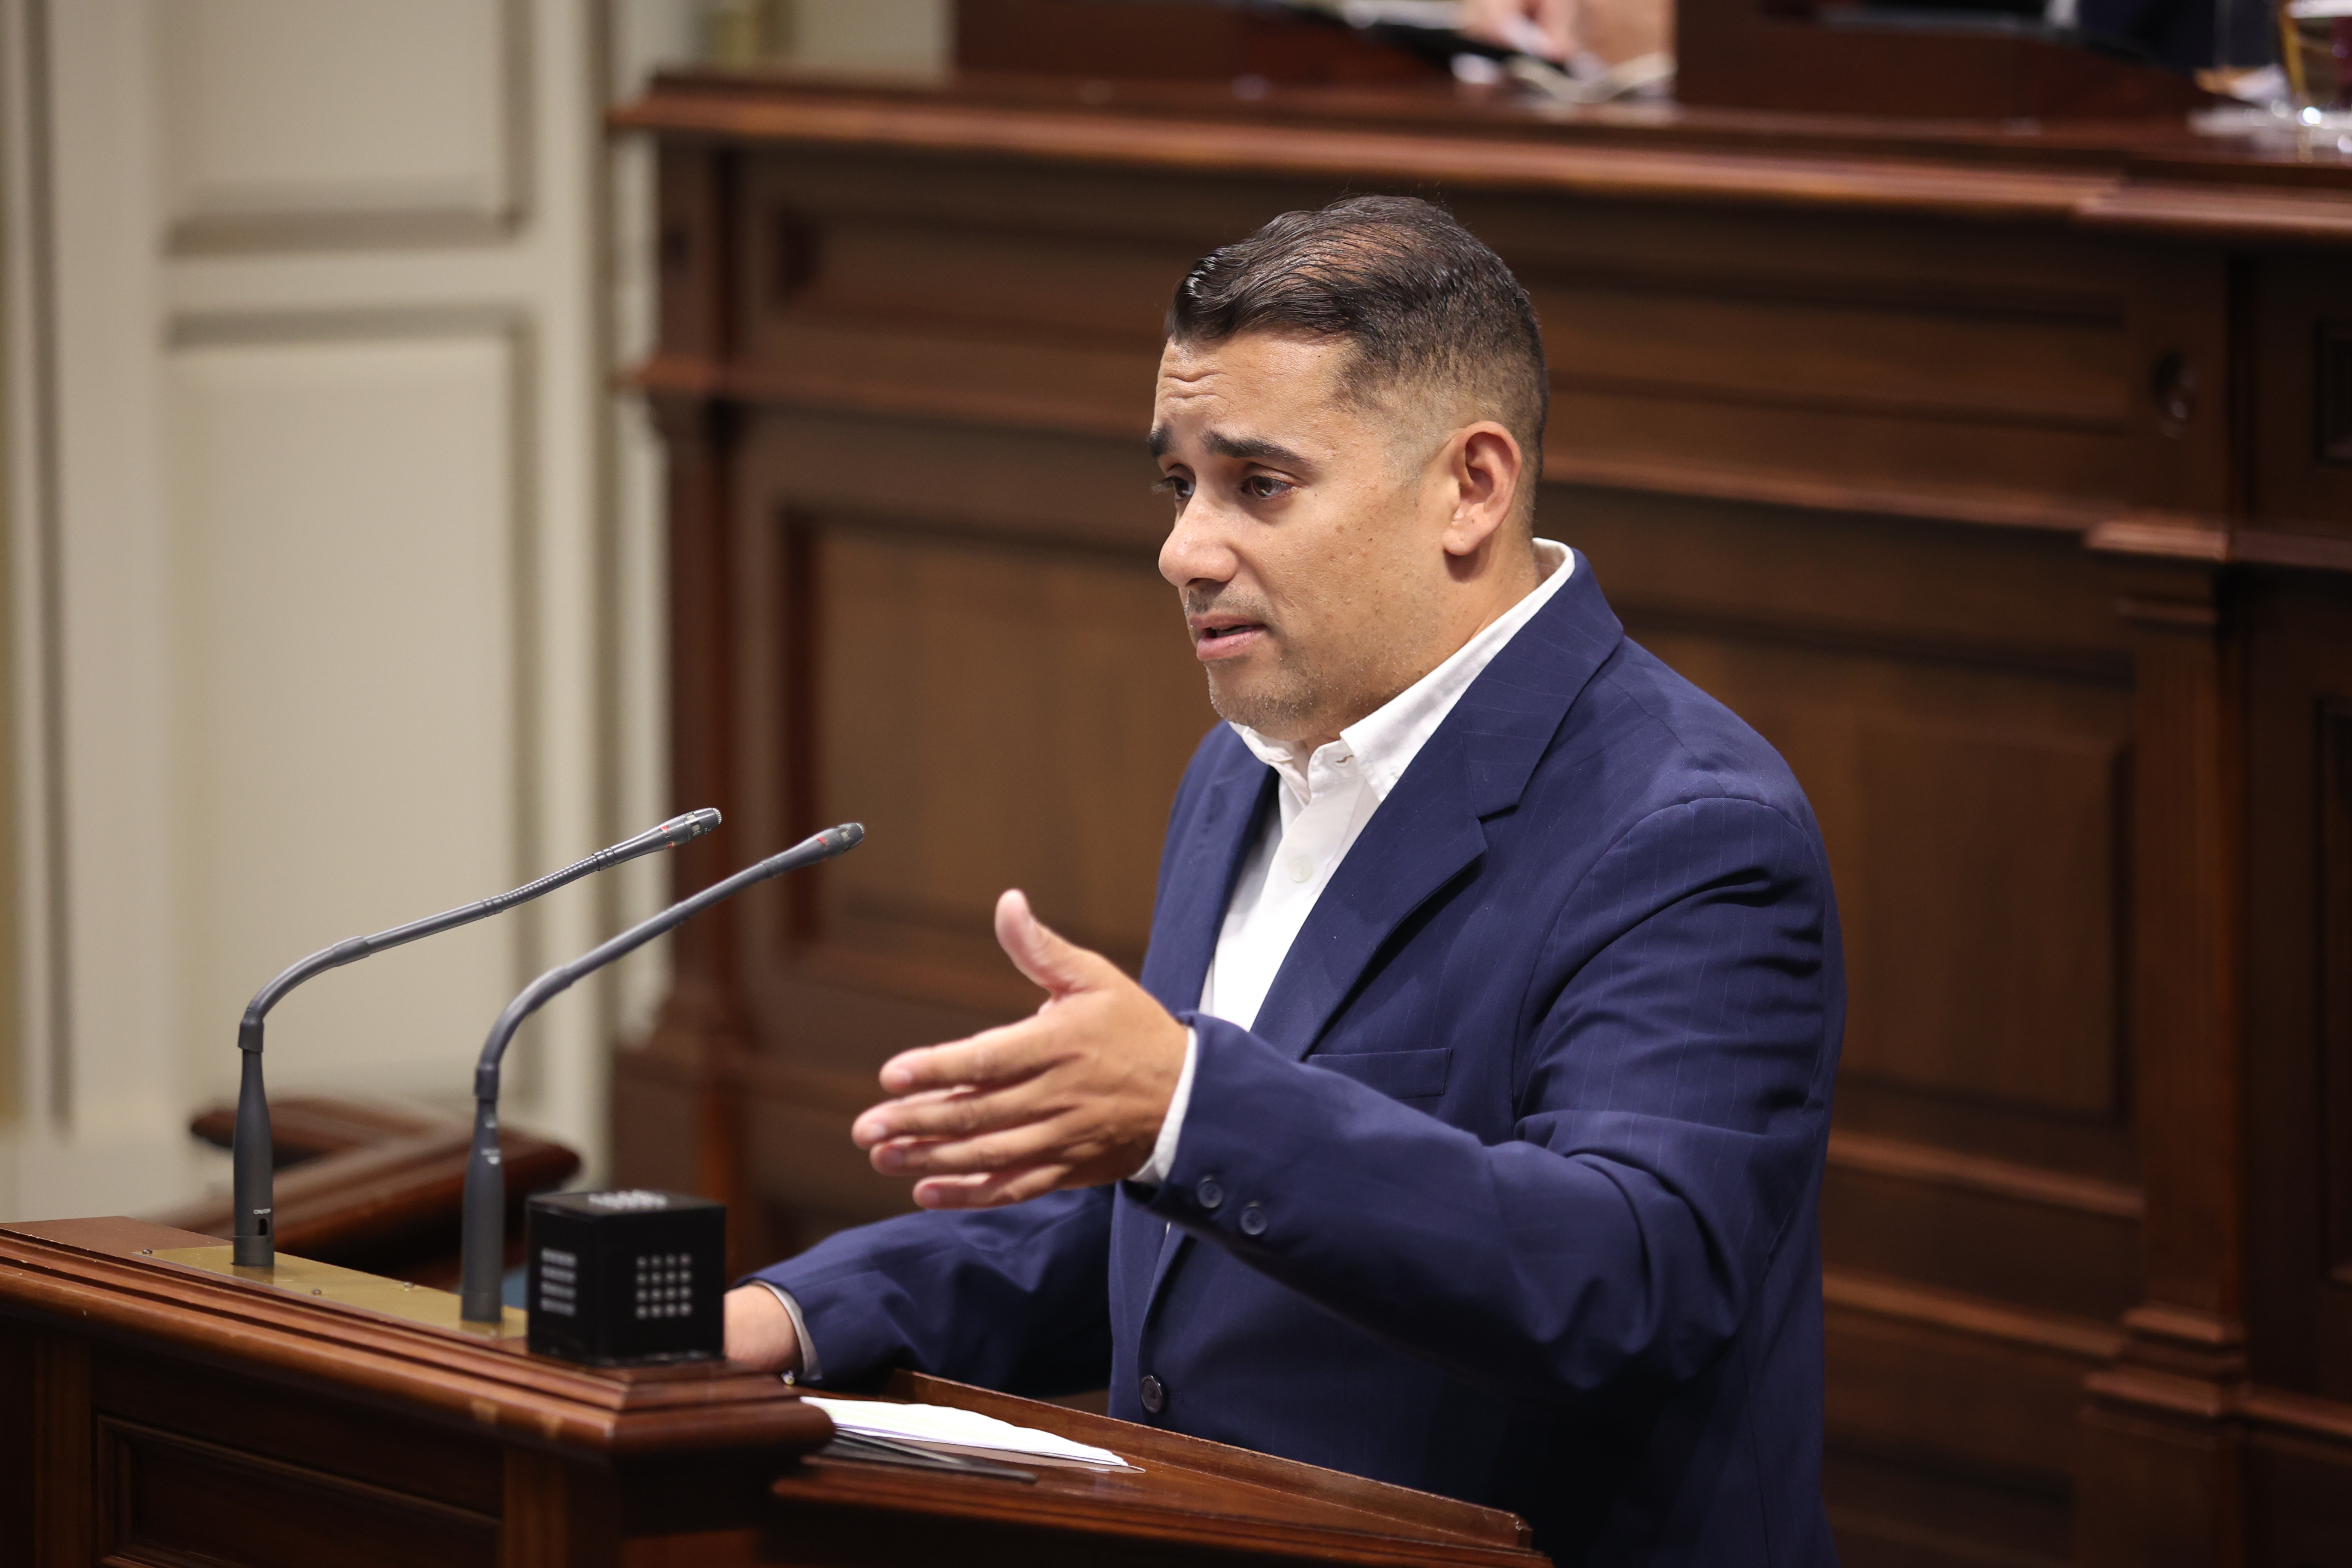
column 1510, row 1194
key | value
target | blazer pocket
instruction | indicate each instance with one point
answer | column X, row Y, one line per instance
column 1399, row 1074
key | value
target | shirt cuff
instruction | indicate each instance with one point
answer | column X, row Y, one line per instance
column 811, row 1369
column 1171, row 1126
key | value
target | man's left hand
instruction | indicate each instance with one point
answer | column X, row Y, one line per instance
column 1071, row 1097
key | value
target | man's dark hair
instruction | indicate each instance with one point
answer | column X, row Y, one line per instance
column 1422, row 301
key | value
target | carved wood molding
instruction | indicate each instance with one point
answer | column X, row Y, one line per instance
column 1970, row 1315
column 1997, row 1178
column 1802, row 162
column 92, row 1276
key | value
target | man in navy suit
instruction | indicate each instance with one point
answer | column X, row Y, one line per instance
column 1466, row 1128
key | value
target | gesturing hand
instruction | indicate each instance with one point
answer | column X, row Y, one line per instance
column 1071, row 1097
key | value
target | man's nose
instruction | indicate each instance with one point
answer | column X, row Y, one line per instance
column 1195, row 550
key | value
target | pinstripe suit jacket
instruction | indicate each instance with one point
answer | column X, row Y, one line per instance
column 1510, row 1193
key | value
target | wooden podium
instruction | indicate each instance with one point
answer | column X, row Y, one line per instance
column 161, row 1412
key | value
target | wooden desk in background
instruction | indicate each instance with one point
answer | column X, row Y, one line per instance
column 2001, row 476
column 157, row 1415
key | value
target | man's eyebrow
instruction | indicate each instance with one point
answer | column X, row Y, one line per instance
column 1252, row 449
column 1247, row 449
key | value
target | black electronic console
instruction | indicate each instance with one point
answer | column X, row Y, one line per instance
column 628, row 1277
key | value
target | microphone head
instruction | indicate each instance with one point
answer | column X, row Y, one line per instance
column 678, row 830
column 848, row 836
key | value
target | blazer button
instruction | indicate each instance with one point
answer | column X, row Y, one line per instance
column 1208, row 1194
column 1155, row 1396
column 1252, row 1220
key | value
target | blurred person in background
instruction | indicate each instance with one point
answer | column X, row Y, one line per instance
column 1612, row 31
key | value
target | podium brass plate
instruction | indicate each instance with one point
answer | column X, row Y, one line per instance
column 350, row 1288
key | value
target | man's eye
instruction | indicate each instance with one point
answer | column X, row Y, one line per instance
column 1263, row 486
column 1175, row 484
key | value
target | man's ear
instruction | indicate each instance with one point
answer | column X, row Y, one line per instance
column 1487, row 466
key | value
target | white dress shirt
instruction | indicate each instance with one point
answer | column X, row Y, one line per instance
column 1326, row 797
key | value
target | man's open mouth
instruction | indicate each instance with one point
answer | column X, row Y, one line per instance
column 1217, row 633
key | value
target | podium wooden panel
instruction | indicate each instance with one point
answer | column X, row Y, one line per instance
column 154, row 1414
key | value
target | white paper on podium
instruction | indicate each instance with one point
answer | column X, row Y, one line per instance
column 945, row 1425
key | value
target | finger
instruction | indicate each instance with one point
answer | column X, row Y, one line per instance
column 991, row 1191
column 1001, row 1150
column 1049, row 960
column 1002, row 1055
column 959, row 1114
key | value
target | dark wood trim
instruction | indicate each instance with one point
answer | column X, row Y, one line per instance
column 1998, row 1178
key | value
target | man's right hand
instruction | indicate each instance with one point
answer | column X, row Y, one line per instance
column 759, row 1331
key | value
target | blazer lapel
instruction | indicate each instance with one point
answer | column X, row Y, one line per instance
column 1428, row 831
column 1199, row 885
column 1199, row 880
column 1430, row 828
column 1422, row 838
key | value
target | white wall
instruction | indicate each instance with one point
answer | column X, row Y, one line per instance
column 316, row 616
column 333, row 570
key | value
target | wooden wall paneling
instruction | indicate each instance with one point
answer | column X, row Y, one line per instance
column 64, row 1435
column 559, row 1513
column 2158, row 1484
column 298, row 1428
column 2301, row 426
column 2187, row 991
column 1024, row 675
column 2299, row 1084
column 1917, row 367
column 2161, row 1463
column 19, row 1443
column 2295, row 1512
column 2299, row 965
column 2330, row 1372
column 169, row 1497
column 697, row 251
column 1989, row 1478
column 2187, row 402
column 1881, row 388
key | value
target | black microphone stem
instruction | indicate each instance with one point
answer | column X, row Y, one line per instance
column 254, row 1246
column 484, row 1244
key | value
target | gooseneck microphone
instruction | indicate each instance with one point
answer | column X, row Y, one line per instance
column 254, row 1245
column 485, row 1240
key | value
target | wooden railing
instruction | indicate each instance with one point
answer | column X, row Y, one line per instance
column 375, row 1187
